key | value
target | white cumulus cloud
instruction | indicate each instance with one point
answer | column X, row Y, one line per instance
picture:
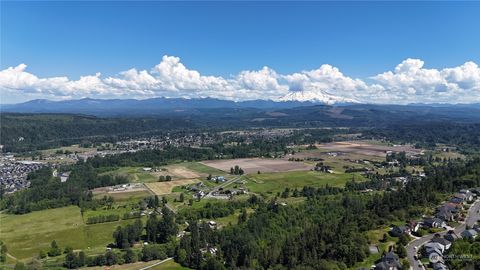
column 408, row 82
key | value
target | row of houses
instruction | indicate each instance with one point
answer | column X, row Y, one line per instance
column 436, row 248
column 452, row 209
column 448, row 211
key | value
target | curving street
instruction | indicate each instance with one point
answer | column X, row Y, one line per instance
column 473, row 216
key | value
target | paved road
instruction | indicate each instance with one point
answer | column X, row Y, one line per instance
column 473, row 216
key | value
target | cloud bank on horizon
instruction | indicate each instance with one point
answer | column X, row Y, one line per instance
column 409, row 82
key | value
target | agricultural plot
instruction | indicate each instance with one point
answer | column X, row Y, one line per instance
column 277, row 182
column 253, row 165
column 135, row 191
column 177, row 171
column 369, row 149
column 134, row 174
column 200, row 168
column 185, row 170
column 162, row 188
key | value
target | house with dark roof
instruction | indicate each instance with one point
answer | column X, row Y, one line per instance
column 451, row 236
column 397, row 231
column 461, row 196
column 389, row 261
column 469, row 234
column 442, row 241
column 445, row 214
column 456, row 200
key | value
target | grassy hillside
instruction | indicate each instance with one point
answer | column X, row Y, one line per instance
column 25, row 235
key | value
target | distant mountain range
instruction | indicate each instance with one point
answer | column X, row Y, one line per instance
column 145, row 106
column 300, row 102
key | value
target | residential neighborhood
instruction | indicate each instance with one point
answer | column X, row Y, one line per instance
column 454, row 219
column 13, row 173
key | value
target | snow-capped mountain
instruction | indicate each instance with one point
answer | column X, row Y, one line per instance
column 316, row 97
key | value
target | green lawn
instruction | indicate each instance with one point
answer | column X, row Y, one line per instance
column 25, row 235
column 277, row 182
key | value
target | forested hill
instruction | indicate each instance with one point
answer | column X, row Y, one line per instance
column 26, row 132
column 38, row 131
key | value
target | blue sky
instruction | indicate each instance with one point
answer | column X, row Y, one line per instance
column 361, row 39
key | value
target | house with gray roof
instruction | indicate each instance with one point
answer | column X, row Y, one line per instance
column 389, row 261
column 470, row 234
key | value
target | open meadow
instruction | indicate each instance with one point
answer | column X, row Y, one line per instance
column 277, row 182
column 25, row 235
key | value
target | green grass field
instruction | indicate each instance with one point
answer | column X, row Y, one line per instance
column 25, row 235
column 134, row 174
column 200, row 168
column 123, row 196
column 277, row 182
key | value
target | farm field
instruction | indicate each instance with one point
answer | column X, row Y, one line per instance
column 253, row 165
column 200, row 168
column 185, row 170
column 134, row 174
column 370, row 149
column 162, row 188
column 277, row 182
column 121, row 195
column 25, row 235
column 337, row 161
